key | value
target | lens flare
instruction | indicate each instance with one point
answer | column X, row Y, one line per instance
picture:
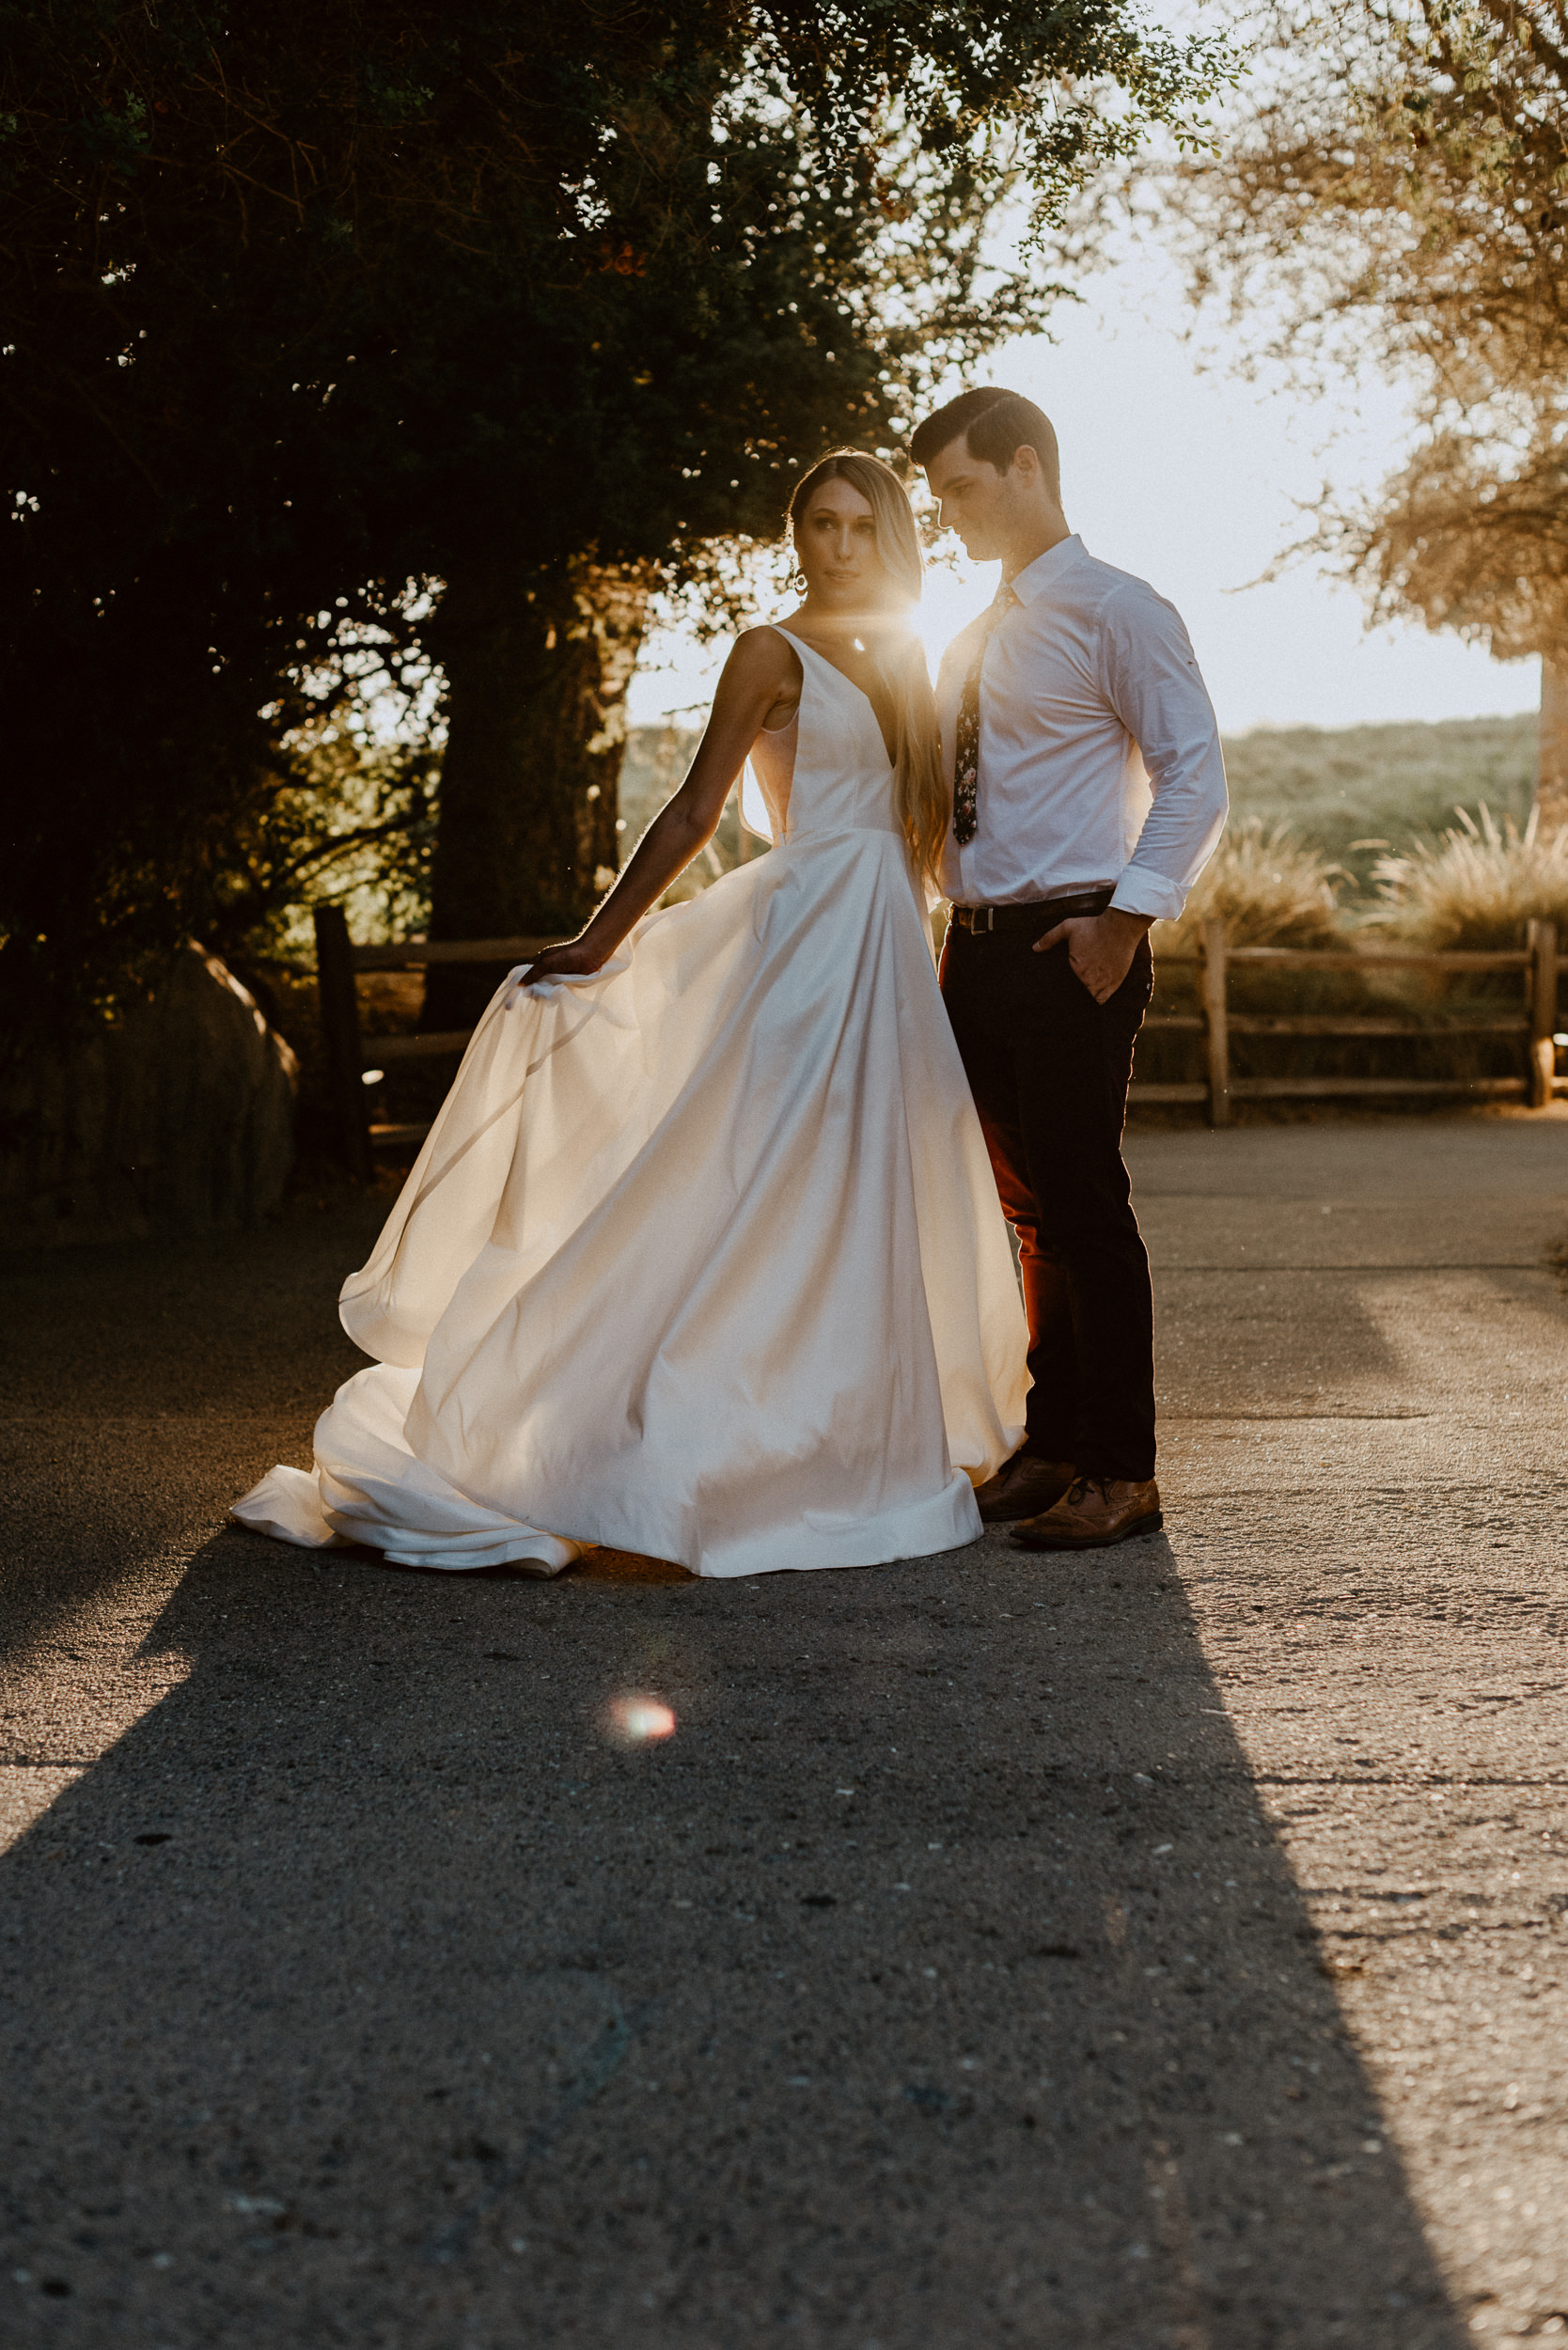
column 639, row 1721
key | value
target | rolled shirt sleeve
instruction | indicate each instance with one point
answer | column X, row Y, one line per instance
column 1151, row 678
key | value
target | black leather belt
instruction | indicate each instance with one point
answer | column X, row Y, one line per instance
column 1043, row 915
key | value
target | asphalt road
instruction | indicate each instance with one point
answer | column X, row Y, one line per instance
column 1161, row 1949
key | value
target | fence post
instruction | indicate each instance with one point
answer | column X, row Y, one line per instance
column 1217, row 1017
column 1543, row 1013
column 339, row 1010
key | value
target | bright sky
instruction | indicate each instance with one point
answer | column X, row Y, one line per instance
column 1183, row 474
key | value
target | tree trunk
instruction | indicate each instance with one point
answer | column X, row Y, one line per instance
column 1551, row 774
column 537, row 674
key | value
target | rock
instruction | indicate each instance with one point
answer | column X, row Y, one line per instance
column 182, row 1114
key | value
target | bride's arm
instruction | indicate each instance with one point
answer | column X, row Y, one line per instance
column 761, row 673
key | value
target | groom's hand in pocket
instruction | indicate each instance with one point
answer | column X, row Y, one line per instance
column 1100, row 947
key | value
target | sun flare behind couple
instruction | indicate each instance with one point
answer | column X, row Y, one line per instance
column 705, row 1256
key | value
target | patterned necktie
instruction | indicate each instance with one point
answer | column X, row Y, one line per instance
column 966, row 746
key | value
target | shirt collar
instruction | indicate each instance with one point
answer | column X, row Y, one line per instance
column 1037, row 576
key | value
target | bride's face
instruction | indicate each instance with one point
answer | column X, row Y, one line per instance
column 836, row 547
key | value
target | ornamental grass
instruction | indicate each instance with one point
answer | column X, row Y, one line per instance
column 1268, row 887
column 1477, row 886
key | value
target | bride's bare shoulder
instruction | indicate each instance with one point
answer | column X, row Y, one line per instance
column 762, row 676
column 762, row 653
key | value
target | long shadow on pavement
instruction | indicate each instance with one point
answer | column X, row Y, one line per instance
column 939, row 1981
column 143, row 1386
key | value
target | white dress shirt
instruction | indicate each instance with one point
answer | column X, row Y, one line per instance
column 1100, row 764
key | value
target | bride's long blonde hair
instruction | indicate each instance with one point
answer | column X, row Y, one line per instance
column 919, row 794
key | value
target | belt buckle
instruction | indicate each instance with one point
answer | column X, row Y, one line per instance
column 990, row 914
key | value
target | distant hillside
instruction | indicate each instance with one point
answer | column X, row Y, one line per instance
column 1335, row 785
column 1344, row 784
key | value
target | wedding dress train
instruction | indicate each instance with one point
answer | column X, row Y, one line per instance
column 702, row 1257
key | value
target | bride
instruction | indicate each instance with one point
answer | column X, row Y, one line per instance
column 702, row 1257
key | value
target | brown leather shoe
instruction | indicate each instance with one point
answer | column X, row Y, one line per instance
column 1094, row 1513
column 1022, row 1487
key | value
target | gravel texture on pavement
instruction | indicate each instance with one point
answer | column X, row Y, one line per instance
column 1167, row 1947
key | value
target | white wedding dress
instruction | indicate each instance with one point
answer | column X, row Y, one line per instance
column 702, row 1257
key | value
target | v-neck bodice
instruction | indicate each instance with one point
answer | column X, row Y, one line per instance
column 841, row 779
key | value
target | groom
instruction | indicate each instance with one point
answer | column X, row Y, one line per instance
column 1088, row 793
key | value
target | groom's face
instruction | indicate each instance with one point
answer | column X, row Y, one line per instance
column 979, row 503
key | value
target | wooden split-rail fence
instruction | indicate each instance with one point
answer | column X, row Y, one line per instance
column 1530, row 1022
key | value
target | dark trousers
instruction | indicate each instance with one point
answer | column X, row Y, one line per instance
column 1049, row 1069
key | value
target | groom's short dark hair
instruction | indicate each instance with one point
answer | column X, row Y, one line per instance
column 995, row 425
